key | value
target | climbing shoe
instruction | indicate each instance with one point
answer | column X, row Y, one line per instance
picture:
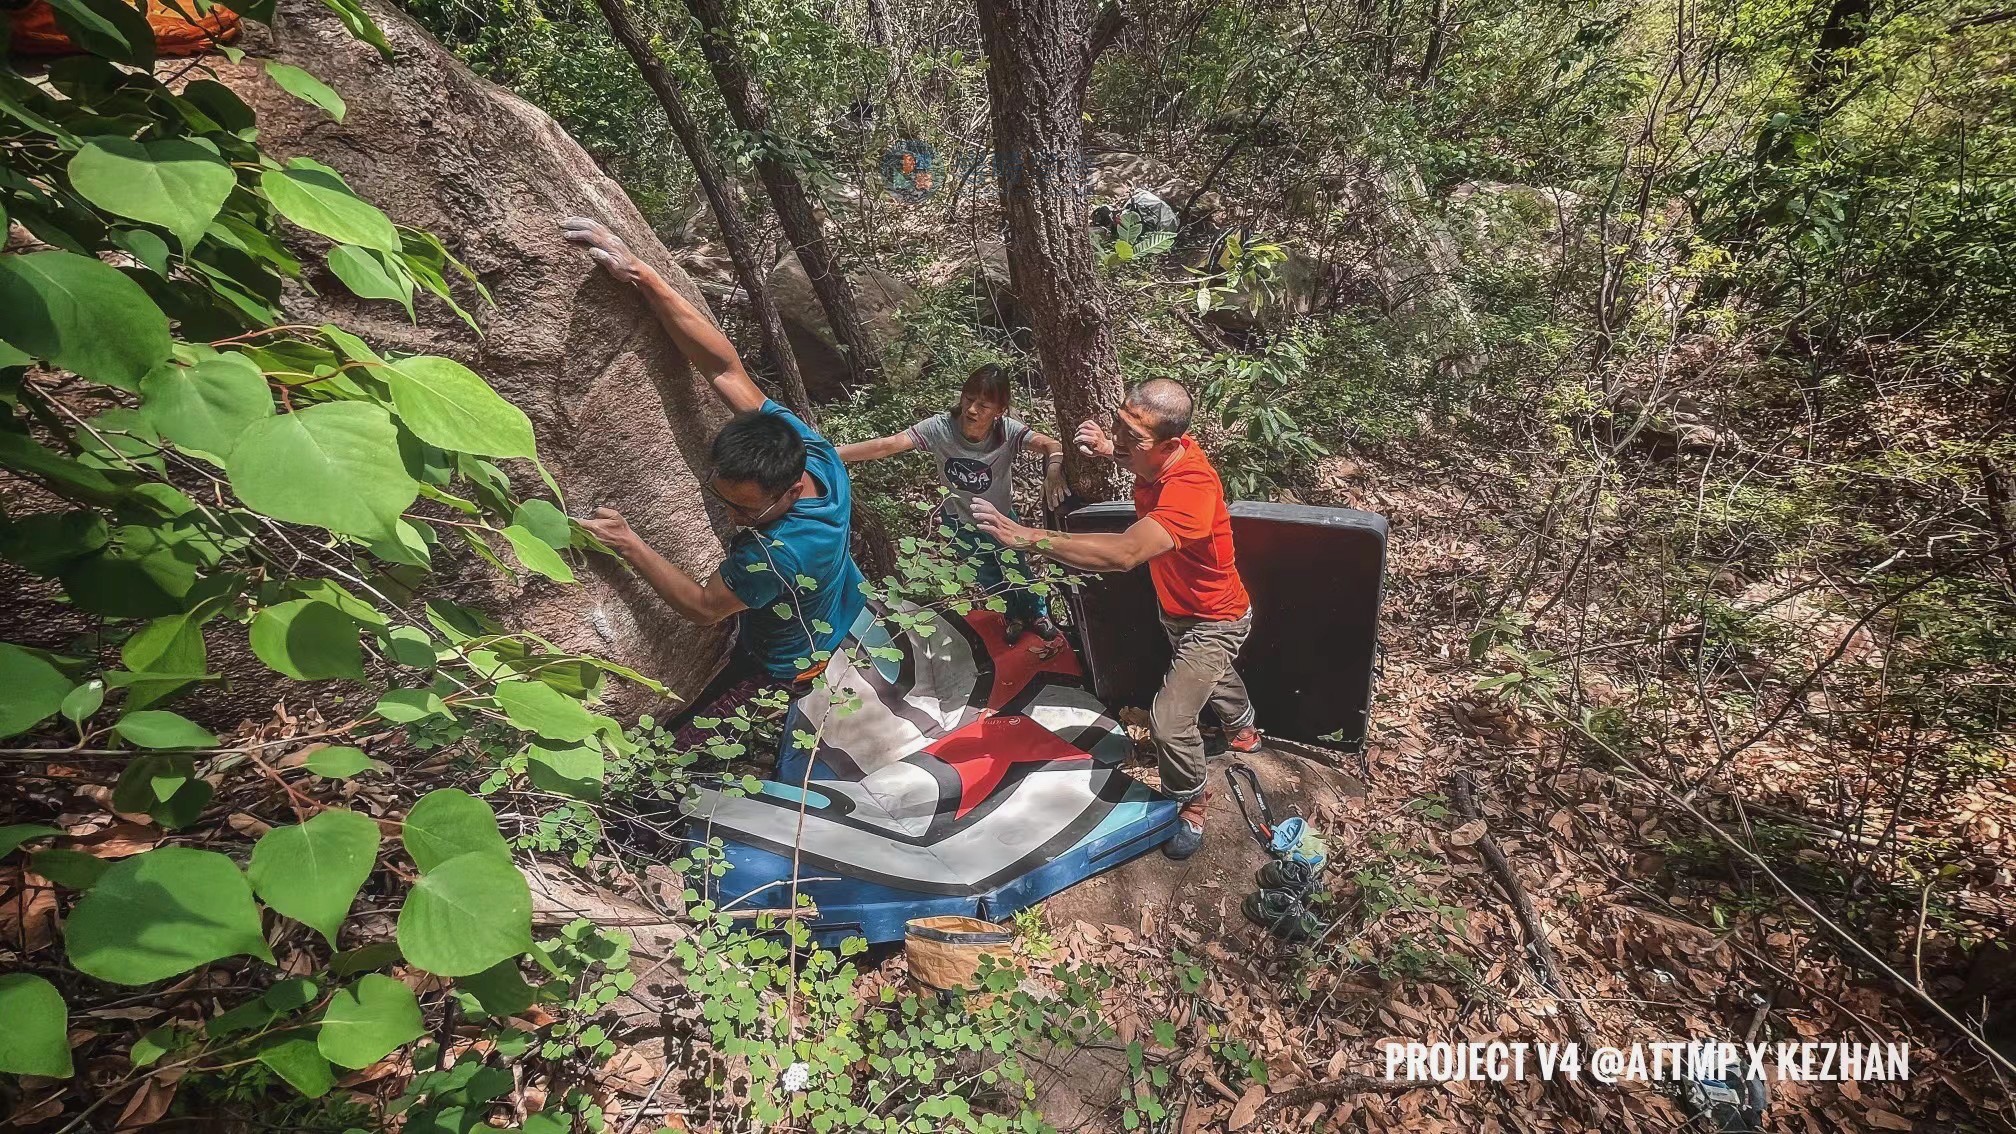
column 1287, row 874
column 1281, row 913
column 1246, row 739
column 1012, row 630
column 1188, row 834
column 1046, row 629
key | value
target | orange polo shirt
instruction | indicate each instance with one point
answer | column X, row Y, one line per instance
column 1198, row 578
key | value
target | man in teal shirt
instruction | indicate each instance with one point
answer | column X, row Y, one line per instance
column 789, row 572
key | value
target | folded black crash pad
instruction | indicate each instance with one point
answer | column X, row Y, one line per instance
column 1316, row 576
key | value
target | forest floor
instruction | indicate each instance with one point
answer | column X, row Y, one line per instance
column 1423, row 943
column 1653, row 939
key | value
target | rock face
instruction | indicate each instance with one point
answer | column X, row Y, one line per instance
column 621, row 420
column 881, row 297
column 1418, row 265
column 1111, row 175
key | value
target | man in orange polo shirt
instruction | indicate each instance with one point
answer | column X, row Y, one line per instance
column 1184, row 533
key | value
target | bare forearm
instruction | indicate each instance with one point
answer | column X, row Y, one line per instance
column 699, row 340
column 876, row 448
column 1089, row 552
column 679, row 590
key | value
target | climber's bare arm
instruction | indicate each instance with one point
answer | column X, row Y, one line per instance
column 878, row 448
column 703, row 603
column 691, row 330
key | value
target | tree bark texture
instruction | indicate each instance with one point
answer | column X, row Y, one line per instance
column 720, row 197
column 1037, row 52
column 750, row 110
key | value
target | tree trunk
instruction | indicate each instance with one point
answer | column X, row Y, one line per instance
column 720, row 196
column 1037, row 51
column 897, row 89
column 750, row 111
column 1438, row 42
column 1106, row 28
column 1845, row 29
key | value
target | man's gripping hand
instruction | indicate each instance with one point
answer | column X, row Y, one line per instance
column 604, row 247
column 609, row 526
column 1092, row 440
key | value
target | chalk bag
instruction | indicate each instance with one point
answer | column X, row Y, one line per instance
column 1295, row 841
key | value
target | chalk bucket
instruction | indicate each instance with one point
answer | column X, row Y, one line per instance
column 945, row 952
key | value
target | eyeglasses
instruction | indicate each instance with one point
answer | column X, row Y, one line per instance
column 744, row 515
column 1125, row 436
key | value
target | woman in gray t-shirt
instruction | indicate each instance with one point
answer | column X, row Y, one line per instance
column 975, row 446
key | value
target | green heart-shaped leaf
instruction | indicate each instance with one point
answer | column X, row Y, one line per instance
column 35, row 690
column 447, row 404
column 538, row 707
column 369, row 275
column 15, row 834
column 206, row 407
column 295, row 1058
column 161, row 913
column 536, row 554
column 571, row 770
column 311, row 872
column 158, row 728
column 35, row 1040
column 318, row 199
column 308, row 640
column 81, row 314
column 448, row 823
column 465, row 915
column 176, row 183
column 307, row 88
column 337, row 762
column 334, row 465
column 368, row 1021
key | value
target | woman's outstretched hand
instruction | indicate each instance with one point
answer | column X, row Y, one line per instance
column 1054, row 486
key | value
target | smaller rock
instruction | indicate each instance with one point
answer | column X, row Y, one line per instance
column 881, row 298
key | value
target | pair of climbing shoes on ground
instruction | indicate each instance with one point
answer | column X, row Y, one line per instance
column 1293, row 875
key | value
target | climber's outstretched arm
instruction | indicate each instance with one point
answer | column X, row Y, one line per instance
column 701, row 603
column 691, row 330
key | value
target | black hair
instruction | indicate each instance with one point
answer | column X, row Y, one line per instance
column 1166, row 404
column 989, row 382
column 762, row 448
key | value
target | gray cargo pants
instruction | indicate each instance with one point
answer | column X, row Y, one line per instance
column 1200, row 674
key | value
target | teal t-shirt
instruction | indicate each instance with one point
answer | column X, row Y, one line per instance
column 797, row 572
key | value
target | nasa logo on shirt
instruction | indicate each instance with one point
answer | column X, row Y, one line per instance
column 969, row 475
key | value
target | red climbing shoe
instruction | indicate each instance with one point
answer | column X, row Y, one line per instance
column 1243, row 739
column 1188, row 833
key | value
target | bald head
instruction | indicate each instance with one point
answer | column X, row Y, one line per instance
column 1165, row 406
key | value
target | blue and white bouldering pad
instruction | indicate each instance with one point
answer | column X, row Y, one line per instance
column 970, row 777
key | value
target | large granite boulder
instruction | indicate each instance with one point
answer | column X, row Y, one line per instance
column 621, row 420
